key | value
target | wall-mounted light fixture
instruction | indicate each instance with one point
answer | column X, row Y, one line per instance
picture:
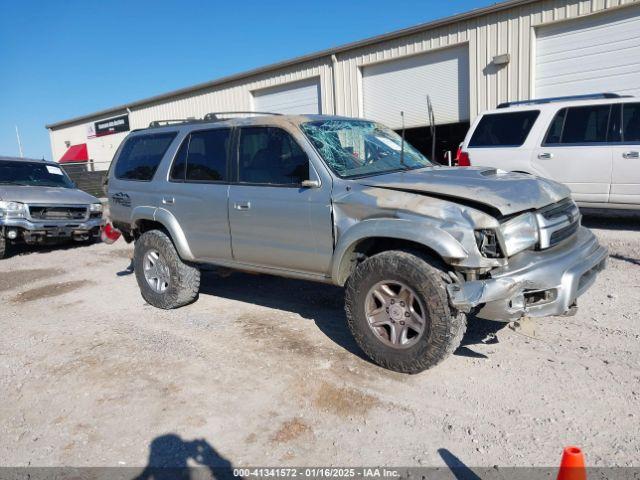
column 502, row 59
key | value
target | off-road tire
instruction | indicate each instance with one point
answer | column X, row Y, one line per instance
column 184, row 281
column 445, row 327
column 3, row 246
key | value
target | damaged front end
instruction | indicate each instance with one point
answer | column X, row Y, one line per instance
column 534, row 283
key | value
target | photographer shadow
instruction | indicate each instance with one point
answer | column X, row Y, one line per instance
column 169, row 457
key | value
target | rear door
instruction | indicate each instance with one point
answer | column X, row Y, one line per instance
column 575, row 150
column 197, row 192
column 275, row 221
column 625, row 181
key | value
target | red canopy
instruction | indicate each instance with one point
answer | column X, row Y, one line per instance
column 75, row 153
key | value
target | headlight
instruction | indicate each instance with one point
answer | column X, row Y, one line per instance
column 487, row 241
column 520, row 233
column 12, row 209
column 95, row 207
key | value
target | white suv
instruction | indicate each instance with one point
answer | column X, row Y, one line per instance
column 591, row 143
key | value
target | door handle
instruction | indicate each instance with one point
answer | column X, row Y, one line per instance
column 545, row 156
column 242, row 205
column 631, row 155
column 168, row 200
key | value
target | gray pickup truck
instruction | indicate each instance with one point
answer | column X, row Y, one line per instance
column 39, row 203
column 418, row 247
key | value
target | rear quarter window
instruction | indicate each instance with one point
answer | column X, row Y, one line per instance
column 509, row 129
column 141, row 155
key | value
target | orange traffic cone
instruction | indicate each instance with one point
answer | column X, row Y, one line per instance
column 572, row 465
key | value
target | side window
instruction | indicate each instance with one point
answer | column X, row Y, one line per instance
column 207, row 155
column 503, row 129
column 555, row 130
column 271, row 156
column 202, row 157
column 141, row 155
column 631, row 122
column 586, row 124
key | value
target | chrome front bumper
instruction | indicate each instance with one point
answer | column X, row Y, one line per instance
column 535, row 283
column 52, row 228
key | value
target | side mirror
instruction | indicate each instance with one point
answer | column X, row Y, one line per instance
column 310, row 184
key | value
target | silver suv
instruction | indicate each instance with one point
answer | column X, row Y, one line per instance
column 40, row 203
column 347, row 201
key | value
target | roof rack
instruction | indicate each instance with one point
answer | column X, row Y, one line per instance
column 215, row 115
column 161, row 123
column 569, row 98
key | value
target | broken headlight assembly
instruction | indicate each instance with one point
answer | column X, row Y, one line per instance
column 520, row 233
column 12, row 209
column 487, row 241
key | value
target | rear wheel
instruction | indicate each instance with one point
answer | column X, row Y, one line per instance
column 398, row 312
column 165, row 281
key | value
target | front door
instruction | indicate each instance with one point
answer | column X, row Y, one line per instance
column 197, row 192
column 275, row 221
column 625, row 180
column 575, row 152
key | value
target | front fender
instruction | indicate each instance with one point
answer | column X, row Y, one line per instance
column 436, row 239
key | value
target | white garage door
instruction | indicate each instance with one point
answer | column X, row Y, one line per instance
column 600, row 53
column 292, row 98
column 403, row 85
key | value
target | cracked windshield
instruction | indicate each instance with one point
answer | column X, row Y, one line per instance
column 360, row 148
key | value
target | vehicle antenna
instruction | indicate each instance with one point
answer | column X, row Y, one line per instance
column 19, row 142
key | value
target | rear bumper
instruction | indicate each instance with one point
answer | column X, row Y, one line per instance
column 51, row 229
column 535, row 283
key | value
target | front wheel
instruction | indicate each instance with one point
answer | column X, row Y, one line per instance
column 165, row 281
column 398, row 312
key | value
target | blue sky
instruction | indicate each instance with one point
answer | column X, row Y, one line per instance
column 63, row 59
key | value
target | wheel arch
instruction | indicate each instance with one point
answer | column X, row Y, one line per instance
column 374, row 236
column 147, row 219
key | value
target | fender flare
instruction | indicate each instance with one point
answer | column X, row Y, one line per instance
column 432, row 237
column 168, row 221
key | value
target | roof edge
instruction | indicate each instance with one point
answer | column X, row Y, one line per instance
column 124, row 108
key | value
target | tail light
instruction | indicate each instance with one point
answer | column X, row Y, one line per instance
column 462, row 159
column 109, row 234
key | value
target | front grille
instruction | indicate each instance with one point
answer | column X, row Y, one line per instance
column 559, row 209
column 42, row 212
column 563, row 233
column 558, row 222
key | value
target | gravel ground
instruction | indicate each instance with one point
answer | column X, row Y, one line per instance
column 262, row 371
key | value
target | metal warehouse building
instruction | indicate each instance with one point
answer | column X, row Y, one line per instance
column 466, row 63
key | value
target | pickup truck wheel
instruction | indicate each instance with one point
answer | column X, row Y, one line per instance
column 398, row 312
column 165, row 281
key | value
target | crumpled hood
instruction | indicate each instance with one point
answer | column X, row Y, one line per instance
column 45, row 195
column 507, row 192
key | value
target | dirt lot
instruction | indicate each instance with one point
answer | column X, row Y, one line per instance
column 264, row 371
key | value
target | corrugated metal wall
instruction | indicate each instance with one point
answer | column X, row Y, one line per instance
column 511, row 31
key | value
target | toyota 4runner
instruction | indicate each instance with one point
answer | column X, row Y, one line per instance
column 39, row 203
column 347, row 201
